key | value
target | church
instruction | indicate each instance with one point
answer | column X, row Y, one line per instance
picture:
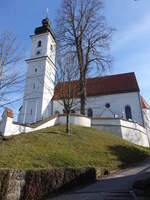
column 113, row 102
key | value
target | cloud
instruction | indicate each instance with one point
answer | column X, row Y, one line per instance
column 133, row 32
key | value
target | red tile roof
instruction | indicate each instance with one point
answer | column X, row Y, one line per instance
column 114, row 84
column 144, row 103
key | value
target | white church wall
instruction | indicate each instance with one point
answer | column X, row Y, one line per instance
column 40, row 77
column 33, row 93
column 35, row 75
column 59, row 107
column 44, row 49
column 51, row 48
column 117, row 105
column 25, row 115
column 48, row 89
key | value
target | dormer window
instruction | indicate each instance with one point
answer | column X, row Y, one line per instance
column 39, row 43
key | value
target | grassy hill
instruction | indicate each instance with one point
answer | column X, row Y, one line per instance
column 52, row 147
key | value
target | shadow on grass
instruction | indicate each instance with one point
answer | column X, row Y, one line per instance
column 128, row 155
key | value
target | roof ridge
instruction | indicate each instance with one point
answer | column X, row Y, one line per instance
column 111, row 75
column 97, row 77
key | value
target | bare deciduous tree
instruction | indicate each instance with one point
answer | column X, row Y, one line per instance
column 67, row 86
column 81, row 30
column 10, row 54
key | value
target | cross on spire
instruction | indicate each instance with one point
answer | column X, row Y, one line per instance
column 47, row 13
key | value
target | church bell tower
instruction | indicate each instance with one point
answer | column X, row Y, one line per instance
column 40, row 77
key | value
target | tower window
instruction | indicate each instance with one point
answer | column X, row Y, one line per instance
column 31, row 112
column 128, row 112
column 34, row 86
column 39, row 43
column 35, row 69
column 38, row 52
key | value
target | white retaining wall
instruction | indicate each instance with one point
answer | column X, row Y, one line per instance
column 8, row 127
column 146, row 114
column 76, row 119
column 127, row 130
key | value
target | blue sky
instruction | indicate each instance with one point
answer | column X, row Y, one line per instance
column 130, row 46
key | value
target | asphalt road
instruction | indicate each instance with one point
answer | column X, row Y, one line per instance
column 115, row 187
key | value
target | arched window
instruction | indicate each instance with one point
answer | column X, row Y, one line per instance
column 128, row 112
column 90, row 112
column 39, row 43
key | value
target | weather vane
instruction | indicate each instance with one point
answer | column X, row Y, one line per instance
column 47, row 13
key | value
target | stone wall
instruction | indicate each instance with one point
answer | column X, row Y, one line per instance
column 40, row 184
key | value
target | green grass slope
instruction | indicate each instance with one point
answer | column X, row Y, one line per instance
column 52, row 147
